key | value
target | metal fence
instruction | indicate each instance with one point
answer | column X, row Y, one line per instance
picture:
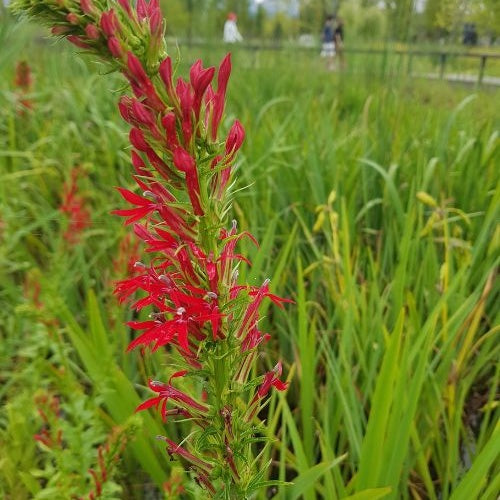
column 408, row 57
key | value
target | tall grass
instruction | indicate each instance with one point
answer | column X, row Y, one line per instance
column 376, row 202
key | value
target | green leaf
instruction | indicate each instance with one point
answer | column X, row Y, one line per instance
column 370, row 494
column 307, row 479
column 477, row 476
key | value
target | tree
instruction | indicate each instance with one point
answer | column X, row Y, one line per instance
column 486, row 15
column 312, row 14
column 400, row 16
column 177, row 19
column 363, row 21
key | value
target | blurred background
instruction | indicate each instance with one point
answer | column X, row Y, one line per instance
column 414, row 21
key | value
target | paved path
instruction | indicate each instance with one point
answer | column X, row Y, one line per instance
column 461, row 78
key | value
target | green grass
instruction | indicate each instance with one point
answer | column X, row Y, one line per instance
column 375, row 199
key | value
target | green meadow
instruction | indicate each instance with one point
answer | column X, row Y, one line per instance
column 375, row 201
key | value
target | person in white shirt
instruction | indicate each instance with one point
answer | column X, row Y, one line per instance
column 231, row 33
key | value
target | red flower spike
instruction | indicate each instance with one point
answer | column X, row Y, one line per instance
column 185, row 163
column 187, row 287
column 23, row 78
column 102, row 465
column 73, row 205
column 98, row 484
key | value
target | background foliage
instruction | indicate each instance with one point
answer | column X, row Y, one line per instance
column 397, row 20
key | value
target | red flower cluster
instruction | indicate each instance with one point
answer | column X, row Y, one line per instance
column 23, row 82
column 108, row 455
column 191, row 282
column 73, row 205
column 49, row 411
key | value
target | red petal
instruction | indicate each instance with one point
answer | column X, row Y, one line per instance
column 133, row 198
column 147, row 404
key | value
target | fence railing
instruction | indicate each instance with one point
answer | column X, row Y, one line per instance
column 442, row 56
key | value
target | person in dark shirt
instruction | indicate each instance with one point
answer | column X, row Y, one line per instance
column 338, row 36
column 328, row 39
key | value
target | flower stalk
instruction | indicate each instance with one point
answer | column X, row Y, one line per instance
column 187, row 279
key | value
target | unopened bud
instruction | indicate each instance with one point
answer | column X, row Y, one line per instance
column 114, row 47
column 87, row 6
column 60, row 30
column 92, row 32
column 72, row 18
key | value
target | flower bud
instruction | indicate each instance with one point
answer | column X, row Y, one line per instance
column 235, row 138
column 60, row 30
column 72, row 18
column 115, row 47
column 76, row 40
column 88, row 7
column 109, row 22
column 138, row 141
column 92, row 32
